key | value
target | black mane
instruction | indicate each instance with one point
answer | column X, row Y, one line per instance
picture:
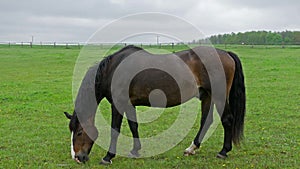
column 118, row 56
column 106, row 60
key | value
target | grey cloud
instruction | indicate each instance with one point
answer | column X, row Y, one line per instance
column 76, row 20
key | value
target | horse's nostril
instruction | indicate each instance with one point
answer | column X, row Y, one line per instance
column 82, row 158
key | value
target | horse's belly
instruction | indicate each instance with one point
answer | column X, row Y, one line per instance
column 156, row 88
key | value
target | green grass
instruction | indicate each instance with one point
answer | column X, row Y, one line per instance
column 36, row 87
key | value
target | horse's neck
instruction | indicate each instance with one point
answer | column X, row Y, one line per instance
column 86, row 103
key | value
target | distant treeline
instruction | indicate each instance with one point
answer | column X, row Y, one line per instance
column 257, row 38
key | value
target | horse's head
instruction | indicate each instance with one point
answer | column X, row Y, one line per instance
column 82, row 138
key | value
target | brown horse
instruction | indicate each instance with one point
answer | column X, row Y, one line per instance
column 128, row 78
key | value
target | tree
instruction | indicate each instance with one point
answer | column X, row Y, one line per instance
column 257, row 37
column 273, row 38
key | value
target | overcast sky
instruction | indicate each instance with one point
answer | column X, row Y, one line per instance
column 74, row 20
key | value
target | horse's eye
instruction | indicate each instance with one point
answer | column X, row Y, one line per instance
column 79, row 133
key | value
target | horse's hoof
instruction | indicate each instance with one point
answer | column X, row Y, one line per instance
column 103, row 162
column 188, row 153
column 190, row 150
column 133, row 155
column 221, row 156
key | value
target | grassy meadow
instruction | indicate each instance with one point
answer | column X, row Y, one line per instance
column 36, row 88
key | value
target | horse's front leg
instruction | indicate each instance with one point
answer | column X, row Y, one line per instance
column 115, row 132
column 133, row 124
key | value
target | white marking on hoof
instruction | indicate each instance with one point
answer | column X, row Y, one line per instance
column 72, row 148
column 221, row 156
column 190, row 150
column 103, row 162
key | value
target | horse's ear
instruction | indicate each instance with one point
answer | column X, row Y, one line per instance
column 69, row 116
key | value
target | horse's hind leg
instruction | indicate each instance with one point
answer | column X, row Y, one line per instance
column 227, row 122
column 133, row 125
column 206, row 121
column 115, row 131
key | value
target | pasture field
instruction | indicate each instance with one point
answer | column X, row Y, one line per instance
column 36, row 88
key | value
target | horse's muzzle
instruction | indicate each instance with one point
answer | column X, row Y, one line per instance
column 81, row 158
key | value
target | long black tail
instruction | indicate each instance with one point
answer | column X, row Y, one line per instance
column 237, row 101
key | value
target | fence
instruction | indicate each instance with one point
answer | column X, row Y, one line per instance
column 68, row 45
column 172, row 45
column 43, row 44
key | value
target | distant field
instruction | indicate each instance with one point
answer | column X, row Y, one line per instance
column 36, row 87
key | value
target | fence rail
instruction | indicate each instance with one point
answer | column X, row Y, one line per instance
column 78, row 45
column 43, row 44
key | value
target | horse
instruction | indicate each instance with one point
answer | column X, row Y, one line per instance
column 203, row 81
